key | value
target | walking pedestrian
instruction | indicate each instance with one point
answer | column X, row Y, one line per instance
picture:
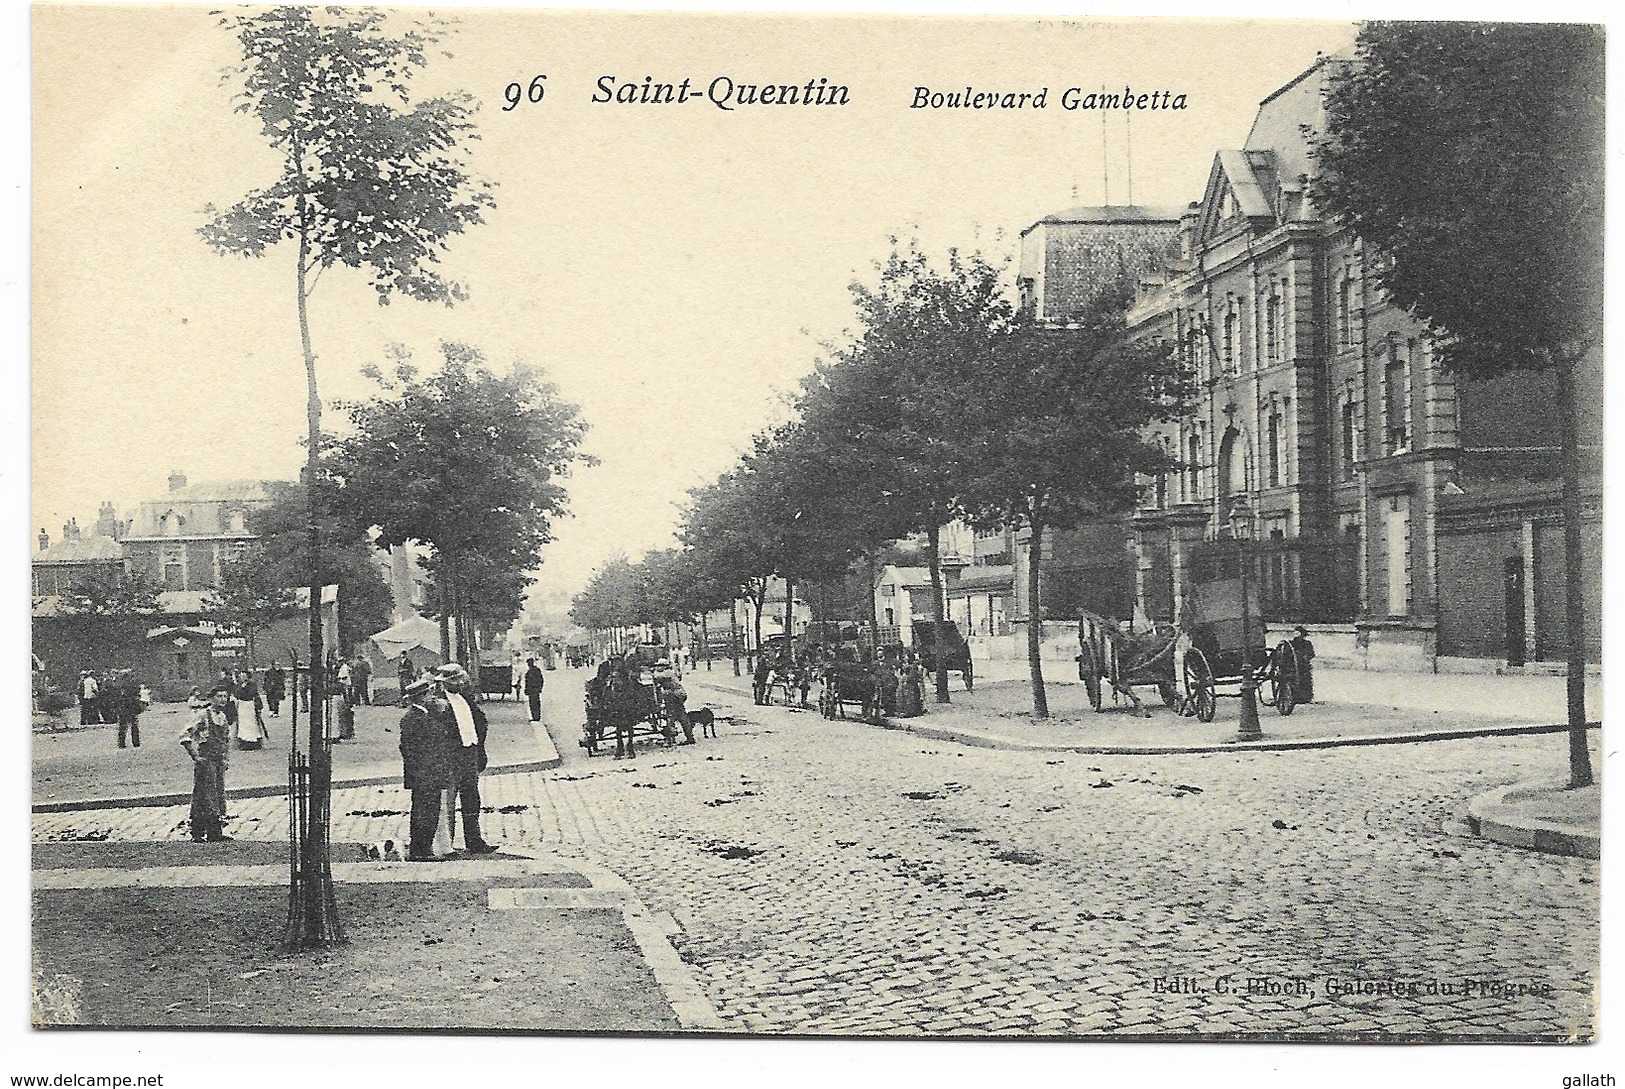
column 343, row 677
column 1303, row 690
column 276, row 688
column 90, row 691
column 466, row 725
column 535, row 680
column 205, row 741
column 425, row 766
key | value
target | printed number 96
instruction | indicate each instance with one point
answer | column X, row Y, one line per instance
column 516, row 93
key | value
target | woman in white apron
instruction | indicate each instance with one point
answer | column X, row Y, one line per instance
column 251, row 731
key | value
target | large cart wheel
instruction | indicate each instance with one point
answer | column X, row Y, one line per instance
column 1283, row 675
column 1089, row 672
column 970, row 676
column 1200, row 698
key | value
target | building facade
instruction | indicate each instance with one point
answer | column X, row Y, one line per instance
column 1400, row 510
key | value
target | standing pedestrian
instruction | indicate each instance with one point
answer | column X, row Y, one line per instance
column 425, row 766
column 534, row 682
column 251, row 731
column 344, row 678
column 361, row 679
column 205, row 741
column 276, row 688
column 1303, row 690
column 466, row 725
column 127, row 705
column 90, row 691
column 406, row 671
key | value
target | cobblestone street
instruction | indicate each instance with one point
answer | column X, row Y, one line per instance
column 839, row 878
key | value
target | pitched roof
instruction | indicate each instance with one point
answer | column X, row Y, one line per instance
column 83, row 550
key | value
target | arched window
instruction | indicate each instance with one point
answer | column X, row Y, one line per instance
column 1345, row 311
column 1193, row 467
column 1274, row 446
column 171, row 526
column 1232, row 464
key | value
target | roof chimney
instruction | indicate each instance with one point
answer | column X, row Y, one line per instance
column 177, row 480
column 44, row 540
column 70, row 530
column 107, row 522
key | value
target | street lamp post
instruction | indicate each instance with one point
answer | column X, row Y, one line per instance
column 1241, row 528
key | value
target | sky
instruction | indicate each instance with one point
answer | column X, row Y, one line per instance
column 674, row 268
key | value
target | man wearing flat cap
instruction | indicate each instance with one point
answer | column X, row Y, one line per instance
column 426, row 764
column 465, row 728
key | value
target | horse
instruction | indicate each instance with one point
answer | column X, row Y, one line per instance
column 848, row 682
column 626, row 703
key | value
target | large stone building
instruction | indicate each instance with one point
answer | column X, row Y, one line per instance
column 1410, row 515
column 182, row 540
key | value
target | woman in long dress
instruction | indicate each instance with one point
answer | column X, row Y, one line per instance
column 251, row 731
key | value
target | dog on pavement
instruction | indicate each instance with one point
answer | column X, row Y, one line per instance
column 705, row 720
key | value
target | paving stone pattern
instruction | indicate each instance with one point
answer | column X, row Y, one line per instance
column 838, row 878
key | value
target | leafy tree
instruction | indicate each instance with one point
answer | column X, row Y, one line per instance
column 608, row 603
column 724, row 527
column 1471, row 156
column 110, row 593
column 1059, row 428
column 888, row 410
column 369, row 179
column 345, row 557
column 468, row 461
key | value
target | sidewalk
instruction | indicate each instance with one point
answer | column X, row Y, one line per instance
column 1353, row 708
column 1546, row 817
column 535, row 944
column 83, row 768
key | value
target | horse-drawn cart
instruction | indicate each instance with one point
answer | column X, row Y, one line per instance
column 1217, row 639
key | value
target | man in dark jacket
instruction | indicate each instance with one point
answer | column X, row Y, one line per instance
column 534, row 680
column 276, row 688
column 465, row 727
column 425, row 765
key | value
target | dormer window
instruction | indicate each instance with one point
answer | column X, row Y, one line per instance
column 236, row 522
column 171, row 526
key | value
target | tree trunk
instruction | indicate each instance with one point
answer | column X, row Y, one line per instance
column 705, row 639
column 789, row 613
column 1035, row 619
column 313, row 919
column 757, row 601
column 874, row 608
column 733, row 632
column 1573, row 578
column 933, row 556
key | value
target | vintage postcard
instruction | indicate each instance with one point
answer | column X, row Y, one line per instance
column 782, row 525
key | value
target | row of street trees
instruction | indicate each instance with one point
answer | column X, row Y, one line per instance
column 943, row 403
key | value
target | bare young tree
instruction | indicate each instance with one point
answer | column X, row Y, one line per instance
column 371, row 180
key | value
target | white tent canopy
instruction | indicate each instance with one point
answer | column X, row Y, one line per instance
column 414, row 636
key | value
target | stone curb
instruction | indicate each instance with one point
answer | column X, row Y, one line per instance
column 1489, row 817
column 275, row 789
column 999, row 741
